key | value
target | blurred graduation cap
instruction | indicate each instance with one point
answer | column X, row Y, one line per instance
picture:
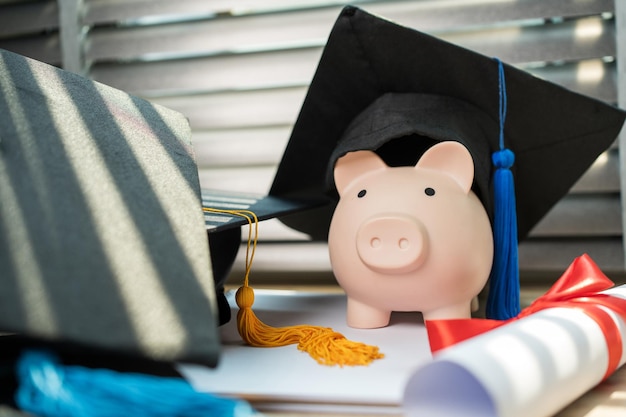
column 103, row 247
column 384, row 87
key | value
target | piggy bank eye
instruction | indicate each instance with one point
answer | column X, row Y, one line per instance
column 429, row 191
column 362, row 193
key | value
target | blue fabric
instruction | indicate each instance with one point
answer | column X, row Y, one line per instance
column 504, row 290
column 48, row 388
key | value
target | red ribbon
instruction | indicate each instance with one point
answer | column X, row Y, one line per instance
column 578, row 287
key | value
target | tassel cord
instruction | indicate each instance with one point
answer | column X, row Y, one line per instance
column 323, row 344
column 253, row 226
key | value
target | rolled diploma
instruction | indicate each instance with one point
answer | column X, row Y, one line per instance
column 530, row 367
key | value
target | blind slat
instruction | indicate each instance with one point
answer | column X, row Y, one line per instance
column 602, row 177
column 28, row 17
column 240, row 147
column 214, row 36
column 232, row 72
column 239, row 109
column 584, row 216
column 556, row 255
column 209, row 37
column 252, row 179
column 439, row 16
column 555, row 43
column 433, row 12
column 569, row 41
column 44, row 47
column 595, row 78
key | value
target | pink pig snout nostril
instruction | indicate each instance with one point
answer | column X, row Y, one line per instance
column 392, row 244
column 403, row 243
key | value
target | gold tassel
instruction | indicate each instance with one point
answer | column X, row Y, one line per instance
column 323, row 344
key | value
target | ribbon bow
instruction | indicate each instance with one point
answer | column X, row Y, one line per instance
column 578, row 287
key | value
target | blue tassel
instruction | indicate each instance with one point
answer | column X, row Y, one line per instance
column 47, row 388
column 504, row 290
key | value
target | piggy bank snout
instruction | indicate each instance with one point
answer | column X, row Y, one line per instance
column 393, row 244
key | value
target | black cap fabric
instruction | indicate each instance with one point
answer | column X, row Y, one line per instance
column 102, row 239
column 384, row 87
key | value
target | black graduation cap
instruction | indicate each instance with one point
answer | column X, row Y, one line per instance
column 384, row 87
column 103, row 246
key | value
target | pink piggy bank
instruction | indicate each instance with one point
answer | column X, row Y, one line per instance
column 409, row 238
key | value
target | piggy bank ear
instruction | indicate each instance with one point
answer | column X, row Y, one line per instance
column 353, row 165
column 450, row 158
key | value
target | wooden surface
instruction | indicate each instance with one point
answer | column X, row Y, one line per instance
column 606, row 400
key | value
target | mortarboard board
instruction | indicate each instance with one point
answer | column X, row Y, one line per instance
column 264, row 206
column 102, row 240
column 384, row 87
column 224, row 228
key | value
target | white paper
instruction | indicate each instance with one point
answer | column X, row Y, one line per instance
column 531, row 367
column 286, row 378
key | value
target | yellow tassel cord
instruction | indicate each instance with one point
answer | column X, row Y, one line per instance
column 323, row 344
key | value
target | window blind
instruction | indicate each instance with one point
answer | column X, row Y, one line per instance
column 239, row 71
